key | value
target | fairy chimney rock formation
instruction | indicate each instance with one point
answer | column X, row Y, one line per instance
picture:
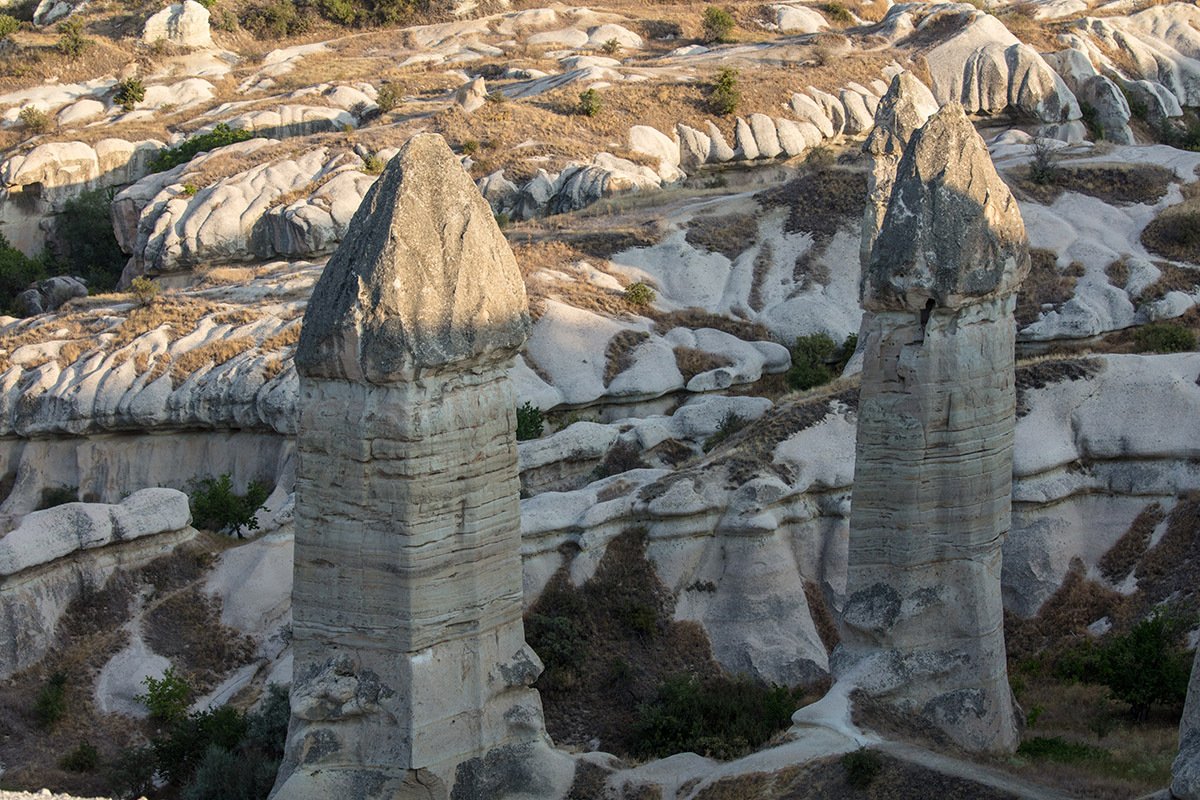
column 412, row 674
column 923, row 620
column 905, row 107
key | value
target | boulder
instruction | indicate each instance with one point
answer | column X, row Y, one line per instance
column 798, row 19
column 791, row 138
column 858, row 119
column 831, row 108
column 719, row 150
column 471, row 95
column 497, row 190
column 694, row 146
column 746, row 148
column 654, row 143
column 184, row 24
column 1112, row 109
column 601, row 35
column 49, row 294
column 807, row 110
column 766, row 137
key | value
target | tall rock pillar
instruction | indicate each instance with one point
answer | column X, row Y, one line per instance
column 411, row 676
column 923, row 620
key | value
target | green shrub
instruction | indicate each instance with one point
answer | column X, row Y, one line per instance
column 590, row 104
column 1090, row 118
column 53, row 496
column 730, row 424
column 179, row 753
column 809, row 355
column 818, row 157
column 266, row 729
column 51, row 702
column 1165, row 338
column 557, row 640
column 639, row 294
column 1035, row 713
column 720, row 717
column 718, row 25
column 216, row 507
column 639, row 618
column 224, row 20
column 496, row 96
column 529, row 422
column 502, row 220
column 373, row 164
column 17, row 271
column 724, row 97
column 862, row 767
column 836, row 12
column 130, row 92
column 849, row 345
column 84, row 758
column 165, row 697
column 219, row 136
column 71, row 42
column 144, row 290
column 131, row 774
column 1057, row 749
column 1043, row 163
column 389, row 97
column 8, row 26
column 277, row 20
column 34, row 120
column 612, row 46
column 224, row 775
column 92, row 251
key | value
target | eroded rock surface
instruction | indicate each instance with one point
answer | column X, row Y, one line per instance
column 923, row 619
column 411, row 669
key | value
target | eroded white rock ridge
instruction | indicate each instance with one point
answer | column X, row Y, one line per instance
column 411, row 670
column 922, row 623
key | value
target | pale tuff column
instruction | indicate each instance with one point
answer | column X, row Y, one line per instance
column 923, row 620
column 411, row 669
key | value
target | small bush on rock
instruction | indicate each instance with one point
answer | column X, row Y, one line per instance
column 129, row 93
column 8, row 26
column 724, row 97
column 389, row 97
column 612, row 46
column 1043, row 163
column 144, row 290
column 731, row 423
column 590, row 104
column 34, row 120
column 1165, row 338
column 718, row 25
column 836, row 12
column 71, row 42
column 131, row 774
column 53, row 496
column 216, row 507
column 809, row 355
column 639, row 294
column 529, row 422
column 219, row 136
column 373, row 164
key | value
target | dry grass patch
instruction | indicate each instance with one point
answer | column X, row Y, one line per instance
column 692, row 362
column 180, row 314
column 1045, row 285
column 1112, row 183
column 272, row 368
column 697, row 318
column 1171, row 278
column 819, row 201
column 237, row 317
column 186, row 628
column 70, row 352
column 1175, row 232
column 763, row 261
column 1123, row 556
column 1118, row 272
column 730, row 234
column 287, row 337
column 216, row 353
column 618, row 355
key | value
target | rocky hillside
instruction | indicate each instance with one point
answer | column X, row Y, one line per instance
column 685, row 193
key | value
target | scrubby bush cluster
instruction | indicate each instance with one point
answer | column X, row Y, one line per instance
column 590, row 104
column 218, row 754
column 1165, row 338
column 130, row 92
column 216, row 507
column 166, row 697
column 92, row 252
column 639, row 294
column 219, row 136
column 529, row 422
column 719, row 717
column 724, row 97
column 718, row 25
column 813, row 361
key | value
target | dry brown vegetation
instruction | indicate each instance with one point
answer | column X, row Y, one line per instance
column 1046, row 285
column 1118, row 272
column 284, row 338
column 618, row 354
column 186, row 628
column 1175, row 232
column 1112, row 183
column 692, row 362
column 729, row 234
column 215, row 353
column 1171, row 278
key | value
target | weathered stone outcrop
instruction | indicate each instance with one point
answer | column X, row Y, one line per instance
column 411, row 669
column 184, row 24
column 923, row 620
column 904, row 109
column 55, row 555
column 1185, row 771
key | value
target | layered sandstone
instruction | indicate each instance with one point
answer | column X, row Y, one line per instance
column 411, row 669
column 933, row 472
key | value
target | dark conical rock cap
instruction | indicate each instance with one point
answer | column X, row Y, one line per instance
column 423, row 280
column 904, row 108
column 952, row 233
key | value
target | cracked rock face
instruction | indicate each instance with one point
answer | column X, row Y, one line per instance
column 933, row 473
column 410, row 659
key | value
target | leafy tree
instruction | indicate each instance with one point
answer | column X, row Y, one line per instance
column 216, row 507
column 724, row 96
column 8, row 26
column 166, row 697
column 17, row 271
column 130, row 92
column 590, row 104
column 809, row 355
column 72, row 43
column 92, row 251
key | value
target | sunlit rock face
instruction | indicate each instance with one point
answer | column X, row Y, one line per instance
column 933, row 473
column 411, row 669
